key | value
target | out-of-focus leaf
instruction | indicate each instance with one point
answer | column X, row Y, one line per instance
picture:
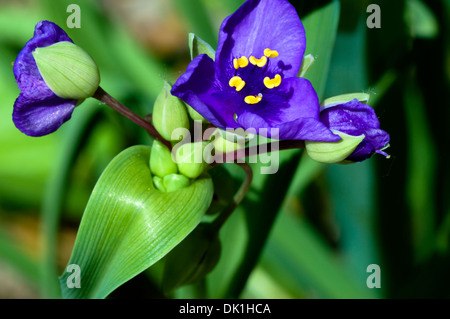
column 302, row 262
column 421, row 170
column 11, row 254
column 196, row 15
column 351, row 190
column 128, row 225
column 21, row 32
column 244, row 234
column 352, row 187
column 421, row 20
column 25, row 161
column 146, row 72
column 321, row 27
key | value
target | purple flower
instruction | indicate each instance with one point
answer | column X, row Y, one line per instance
column 355, row 118
column 253, row 81
column 38, row 111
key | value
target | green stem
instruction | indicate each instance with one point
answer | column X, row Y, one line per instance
column 104, row 97
column 217, row 224
column 260, row 149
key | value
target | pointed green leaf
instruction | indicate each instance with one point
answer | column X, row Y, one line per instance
column 128, row 224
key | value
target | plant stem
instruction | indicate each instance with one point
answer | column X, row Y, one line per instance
column 104, row 97
column 259, row 149
column 237, row 199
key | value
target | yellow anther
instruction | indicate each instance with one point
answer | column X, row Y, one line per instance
column 237, row 82
column 270, row 54
column 253, row 99
column 259, row 62
column 272, row 83
column 242, row 62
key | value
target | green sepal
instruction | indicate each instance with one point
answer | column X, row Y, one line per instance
column 344, row 98
column 198, row 46
column 174, row 182
column 68, row 70
column 158, row 183
column 190, row 159
column 327, row 152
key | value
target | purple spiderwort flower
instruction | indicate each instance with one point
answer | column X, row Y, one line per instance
column 38, row 111
column 253, row 81
column 355, row 118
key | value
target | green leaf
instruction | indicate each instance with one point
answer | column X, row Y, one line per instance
column 300, row 260
column 128, row 225
column 321, row 27
column 196, row 15
column 420, row 172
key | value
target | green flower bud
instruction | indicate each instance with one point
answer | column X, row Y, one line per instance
column 175, row 182
column 68, row 70
column 161, row 163
column 191, row 260
column 189, row 159
column 169, row 114
column 195, row 115
column 158, row 182
column 225, row 141
column 326, row 152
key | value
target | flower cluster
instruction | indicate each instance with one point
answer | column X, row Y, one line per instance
column 252, row 83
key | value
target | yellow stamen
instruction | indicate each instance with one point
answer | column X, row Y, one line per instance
column 253, row 99
column 270, row 54
column 237, row 82
column 242, row 62
column 259, row 62
column 272, row 83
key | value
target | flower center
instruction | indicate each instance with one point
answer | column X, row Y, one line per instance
column 242, row 62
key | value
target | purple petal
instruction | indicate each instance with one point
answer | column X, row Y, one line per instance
column 25, row 69
column 199, row 88
column 37, row 110
column 39, row 117
column 355, row 118
column 261, row 24
column 296, row 99
column 301, row 129
column 293, row 108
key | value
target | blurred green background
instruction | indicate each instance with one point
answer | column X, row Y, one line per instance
column 334, row 221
